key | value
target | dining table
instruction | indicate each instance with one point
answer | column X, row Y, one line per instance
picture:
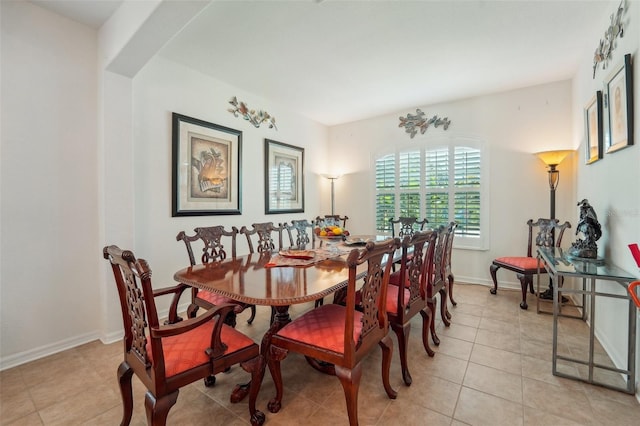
column 279, row 279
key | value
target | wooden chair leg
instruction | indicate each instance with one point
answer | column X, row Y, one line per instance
column 253, row 314
column 426, row 325
column 444, row 312
column 192, row 310
column 274, row 357
column 125, row 372
column 524, row 284
column 451, row 280
column 492, row 270
column 402, row 332
column 350, row 380
column 158, row 409
column 387, row 351
column 432, row 325
column 256, row 367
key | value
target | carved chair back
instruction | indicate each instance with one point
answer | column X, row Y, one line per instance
column 406, row 226
column 264, row 235
column 303, row 235
column 550, row 233
column 213, row 247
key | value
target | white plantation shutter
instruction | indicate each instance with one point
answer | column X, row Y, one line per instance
column 439, row 183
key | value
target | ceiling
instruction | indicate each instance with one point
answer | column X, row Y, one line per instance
column 342, row 61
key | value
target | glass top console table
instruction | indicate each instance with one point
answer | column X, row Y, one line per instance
column 559, row 266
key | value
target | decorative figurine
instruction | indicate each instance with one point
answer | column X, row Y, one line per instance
column 588, row 224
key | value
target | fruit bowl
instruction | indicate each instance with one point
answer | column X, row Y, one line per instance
column 330, row 232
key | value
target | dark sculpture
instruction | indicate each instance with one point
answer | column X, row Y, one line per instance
column 588, row 224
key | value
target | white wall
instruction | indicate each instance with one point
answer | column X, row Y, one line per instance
column 50, row 247
column 513, row 126
column 163, row 87
column 612, row 184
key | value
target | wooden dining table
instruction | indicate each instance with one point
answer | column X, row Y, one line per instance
column 269, row 280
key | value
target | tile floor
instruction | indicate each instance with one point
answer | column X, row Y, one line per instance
column 493, row 367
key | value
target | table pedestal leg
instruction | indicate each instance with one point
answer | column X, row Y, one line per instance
column 280, row 319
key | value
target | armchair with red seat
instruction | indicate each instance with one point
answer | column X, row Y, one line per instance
column 168, row 357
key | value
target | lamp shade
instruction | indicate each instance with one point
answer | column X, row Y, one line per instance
column 553, row 158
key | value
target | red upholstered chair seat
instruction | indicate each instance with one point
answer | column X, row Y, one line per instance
column 522, row 263
column 322, row 327
column 218, row 299
column 392, row 298
column 187, row 350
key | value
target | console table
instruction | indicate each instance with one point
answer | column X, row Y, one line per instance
column 558, row 265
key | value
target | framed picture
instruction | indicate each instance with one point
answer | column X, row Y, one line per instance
column 619, row 104
column 207, row 168
column 284, row 178
column 593, row 128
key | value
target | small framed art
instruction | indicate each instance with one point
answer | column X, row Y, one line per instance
column 207, row 168
column 284, row 178
column 619, row 105
column 593, row 129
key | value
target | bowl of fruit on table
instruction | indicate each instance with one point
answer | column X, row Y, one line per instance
column 330, row 232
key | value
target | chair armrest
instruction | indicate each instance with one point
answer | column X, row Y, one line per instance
column 177, row 291
column 191, row 323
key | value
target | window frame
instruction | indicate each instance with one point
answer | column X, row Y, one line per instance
column 422, row 145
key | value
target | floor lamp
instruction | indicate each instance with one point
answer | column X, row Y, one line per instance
column 332, row 178
column 552, row 159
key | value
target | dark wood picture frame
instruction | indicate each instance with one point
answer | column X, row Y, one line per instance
column 207, row 168
column 593, row 129
column 619, row 105
column 283, row 178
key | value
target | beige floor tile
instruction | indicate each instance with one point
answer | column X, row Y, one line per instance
column 556, row 400
column 32, row 419
column 497, row 358
column 507, row 342
column 540, row 417
column 445, row 367
column 495, row 382
column 478, row 408
column 461, row 318
column 400, row 412
column 453, row 347
column 461, row 332
column 16, row 405
column 609, row 412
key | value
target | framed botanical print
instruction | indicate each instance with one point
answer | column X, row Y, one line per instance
column 593, row 129
column 284, row 178
column 619, row 105
column 207, row 169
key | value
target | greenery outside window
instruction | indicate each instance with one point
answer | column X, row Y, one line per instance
column 442, row 182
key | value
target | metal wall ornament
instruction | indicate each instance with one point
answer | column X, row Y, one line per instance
column 607, row 44
column 256, row 118
column 413, row 122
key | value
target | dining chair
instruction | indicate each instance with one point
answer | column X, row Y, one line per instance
column 212, row 249
column 438, row 283
column 447, row 264
column 168, row 357
column 549, row 233
column 341, row 334
column 332, row 219
column 406, row 293
column 263, row 233
column 304, row 234
column 406, row 226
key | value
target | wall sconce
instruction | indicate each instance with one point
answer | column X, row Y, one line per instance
column 552, row 159
column 241, row 109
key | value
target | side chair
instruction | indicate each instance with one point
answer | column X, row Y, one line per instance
column 264, row 233
column 406, row 294
column 447, row 263
column 438, row 283
column 304, row 234
column 406, row 226
column 550, row 233
column 168, row 357
column 213, row 250
column 341, row 334
column 333, row 219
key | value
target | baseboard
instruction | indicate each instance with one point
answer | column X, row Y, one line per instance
column 66, row 344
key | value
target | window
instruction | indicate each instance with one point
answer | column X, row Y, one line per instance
column 441, row 183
